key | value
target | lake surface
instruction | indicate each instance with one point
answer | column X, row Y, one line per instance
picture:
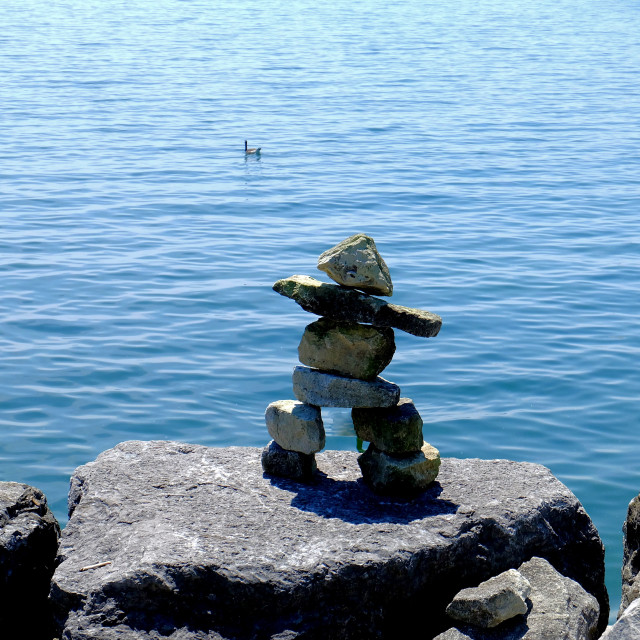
column 491, row 148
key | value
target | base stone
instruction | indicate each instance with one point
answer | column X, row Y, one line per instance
column 202, row 544
column 404, row 475
column 283, row 463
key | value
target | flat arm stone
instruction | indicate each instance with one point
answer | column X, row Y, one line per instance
column 349, row 305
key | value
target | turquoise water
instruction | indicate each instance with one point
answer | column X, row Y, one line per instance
column 490, row 148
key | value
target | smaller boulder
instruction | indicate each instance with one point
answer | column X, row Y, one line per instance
column 558, row 609
column 493, row 601
column 347, row 348
column 627, row 627
column 631, row 560
column 404, row 475
column 393, row 430
column 355, row 262
column 296, row 426
column 329, row 390
column 294, row 465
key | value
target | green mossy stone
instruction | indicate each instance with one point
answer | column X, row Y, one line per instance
column 393, row 430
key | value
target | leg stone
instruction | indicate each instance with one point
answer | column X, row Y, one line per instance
column 404, row 475
column 394, row 430
column 296, row 426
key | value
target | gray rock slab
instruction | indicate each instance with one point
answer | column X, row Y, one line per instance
column 280, row 462
column 392, row 430
column 199, row 538
column 330, row 390
column 631, row 557
column 347, row 348
column 29, row 536
column 559, row 609
column 348, row 305
column 493, row 601
column 296, row 426
column 355, row 262
column 627, row 627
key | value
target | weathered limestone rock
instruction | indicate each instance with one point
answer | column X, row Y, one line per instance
column 493, row 601
column 329, row 390
column 347, row 348
column 399, row 475
column 453, row 634
column 29, row 536
column 560, row 609
column 282, row 463
column 198, row 537
column 296, row 426
column 349, row 305
column 627, row 627
column 631, row 561
column 394, row 430
column 355, row 262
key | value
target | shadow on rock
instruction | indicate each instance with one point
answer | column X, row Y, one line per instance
column 352, row 501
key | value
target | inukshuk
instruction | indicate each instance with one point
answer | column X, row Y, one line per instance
column 345, row 351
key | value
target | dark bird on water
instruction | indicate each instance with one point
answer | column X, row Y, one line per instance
column 248, row 151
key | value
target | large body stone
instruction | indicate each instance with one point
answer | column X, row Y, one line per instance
column 28, row 545
column 355, row 262
column 198, row 538
column 295, row 426
column 493, row 601
column 560, row 609
column 347, row 348
column 349, row 305
column 393, row 430
column 631, row 560
column 329, row 390
column 627, row 627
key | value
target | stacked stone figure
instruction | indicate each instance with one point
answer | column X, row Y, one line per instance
column 344, row 353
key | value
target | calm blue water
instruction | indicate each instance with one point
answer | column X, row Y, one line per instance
column 490, row 147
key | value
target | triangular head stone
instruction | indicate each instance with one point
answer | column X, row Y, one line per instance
column 356, row 263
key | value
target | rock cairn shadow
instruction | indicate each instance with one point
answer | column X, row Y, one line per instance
column 342, row 355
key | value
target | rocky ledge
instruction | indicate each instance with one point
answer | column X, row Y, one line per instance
column 183, row 541
column 28, row 544
column 627, row 626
